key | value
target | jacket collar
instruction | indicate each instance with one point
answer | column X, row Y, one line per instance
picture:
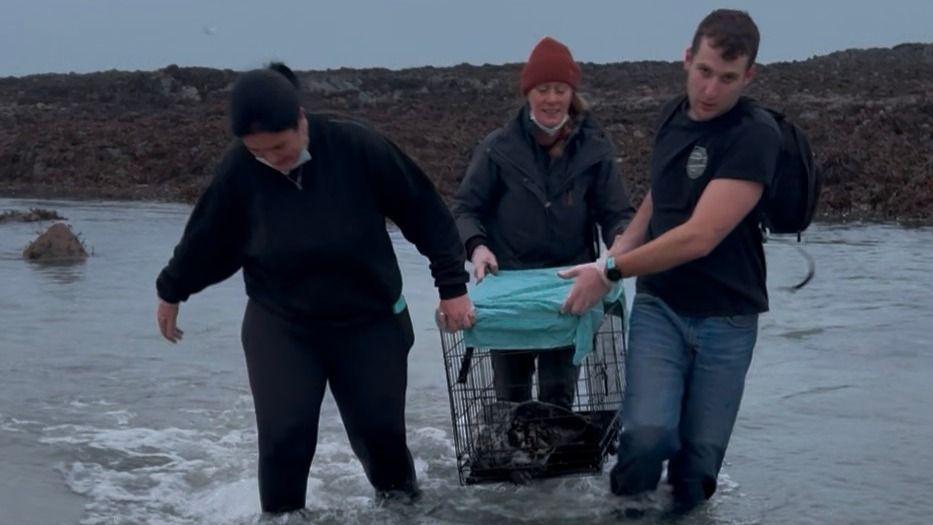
column 586, row 145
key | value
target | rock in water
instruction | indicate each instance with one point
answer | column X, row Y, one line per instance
column 33, row 215
column 58, row 243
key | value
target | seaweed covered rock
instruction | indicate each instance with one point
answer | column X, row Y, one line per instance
column 58, row 243
column 32, row 215
column 158, row 135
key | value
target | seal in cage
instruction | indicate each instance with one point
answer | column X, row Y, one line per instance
column 502, row 431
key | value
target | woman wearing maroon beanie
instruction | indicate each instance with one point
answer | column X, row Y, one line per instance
column 532, row 196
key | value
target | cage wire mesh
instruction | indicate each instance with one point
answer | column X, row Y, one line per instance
column 499, row 440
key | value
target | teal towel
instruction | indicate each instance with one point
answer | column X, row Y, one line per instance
column 520, row 309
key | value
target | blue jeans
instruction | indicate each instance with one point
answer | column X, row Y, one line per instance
column 684, row 382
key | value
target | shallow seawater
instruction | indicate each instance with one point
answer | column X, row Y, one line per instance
column 102, row 422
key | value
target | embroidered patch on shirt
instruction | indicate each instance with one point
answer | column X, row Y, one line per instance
column 696, row 162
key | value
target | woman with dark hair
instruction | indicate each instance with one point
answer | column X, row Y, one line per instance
column 532, row 196
column 300, row 204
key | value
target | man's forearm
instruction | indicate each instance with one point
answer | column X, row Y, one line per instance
column 634, row 234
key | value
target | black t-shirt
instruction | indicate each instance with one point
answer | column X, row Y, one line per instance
column 687, row 156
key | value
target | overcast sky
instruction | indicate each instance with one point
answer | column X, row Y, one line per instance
column 40, row 36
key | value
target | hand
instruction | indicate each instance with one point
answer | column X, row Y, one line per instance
column 483, row 261
column 166, row 317
column 456, row 314
column 589, row 287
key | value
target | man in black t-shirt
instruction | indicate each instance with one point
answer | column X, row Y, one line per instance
column 695, row 247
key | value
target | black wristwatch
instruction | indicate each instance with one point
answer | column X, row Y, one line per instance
column 612, row 273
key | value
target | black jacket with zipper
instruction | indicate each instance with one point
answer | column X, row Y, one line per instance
column 317, row 249
column 532, row 211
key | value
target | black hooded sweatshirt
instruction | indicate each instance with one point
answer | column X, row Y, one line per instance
column 313, row 245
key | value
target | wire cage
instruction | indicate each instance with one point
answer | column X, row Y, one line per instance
column 505, row 441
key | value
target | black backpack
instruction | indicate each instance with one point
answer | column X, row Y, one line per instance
column 790, row 201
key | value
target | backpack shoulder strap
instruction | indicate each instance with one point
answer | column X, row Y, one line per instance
column 771, row 117
column 668, row 110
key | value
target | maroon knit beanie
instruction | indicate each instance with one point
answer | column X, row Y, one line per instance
column 550, row 61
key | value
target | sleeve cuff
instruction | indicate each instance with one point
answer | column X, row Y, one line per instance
column 167, row 293
column 472, row 243
column 451, row 291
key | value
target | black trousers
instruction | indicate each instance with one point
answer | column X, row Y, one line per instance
column 289, row 365
column 557, row 375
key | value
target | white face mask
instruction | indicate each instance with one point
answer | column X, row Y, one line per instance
column 303, row 157
column 549, row 131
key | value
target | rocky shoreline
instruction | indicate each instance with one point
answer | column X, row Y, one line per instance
column 157, row 135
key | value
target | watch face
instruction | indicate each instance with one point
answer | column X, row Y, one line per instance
column 613, row 274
